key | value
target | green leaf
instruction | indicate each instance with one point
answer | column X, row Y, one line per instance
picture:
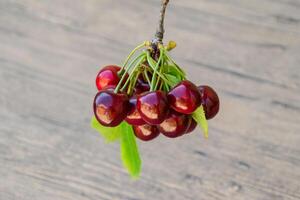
column 110, row 134
column 129, row 151
column 199, row 117
column 174, row 63
column 171, row 69
column 173, row 80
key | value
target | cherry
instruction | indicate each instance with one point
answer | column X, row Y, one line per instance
column 174, row 125
column 146, row 132
column 210, row 101
column 108, row 76
column 153, row 106
column 134, row 117
column 192, row 125
column 141, row 86
column 184, row 97
column 110, row 109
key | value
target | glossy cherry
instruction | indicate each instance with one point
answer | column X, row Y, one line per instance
column 174, row 125
column 146, row 132
column 184, row 97
column 134, row 117
column 210, row 101
column 108, row 76
column 192, row 125
column 110, row 109
column 153, row 106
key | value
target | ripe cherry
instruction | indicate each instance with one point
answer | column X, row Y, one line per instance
column 184, row 97
column 153, row 106
column 110, row 109
column 146, row 132
column 108, row 76
column 210, row 101
column 134, row 117
column 192, row 125
column 174, row 125
column 141, row 86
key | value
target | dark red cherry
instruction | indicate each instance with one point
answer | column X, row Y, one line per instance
column 108, row 76
column 146, row 132
column 134, row 117
column 110, row 109
column 153, row 106
column 210, row 101
column 192, row 125
column 141, row 86
column 174, row 125
column 184, row 97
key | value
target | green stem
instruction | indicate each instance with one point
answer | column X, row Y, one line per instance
column 147, row 77
column 161, row 85
column 152, row 64
column 132, row 72
column 153, row 82
column 160, row 70
column 131, row 53
column 178, row 69
column 126, row 70
column 132, row 82
column 166, row 86
column 150, row 60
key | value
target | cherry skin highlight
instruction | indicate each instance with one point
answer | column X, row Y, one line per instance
column 110, row 109
column 146, row 132
column 210, row 101
column 153, row 106
column 174, row 125
column 134, row 117
column 184, row 97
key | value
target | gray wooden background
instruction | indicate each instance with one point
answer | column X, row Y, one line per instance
column 248, row 50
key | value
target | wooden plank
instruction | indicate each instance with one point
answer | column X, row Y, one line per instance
column 248, row 50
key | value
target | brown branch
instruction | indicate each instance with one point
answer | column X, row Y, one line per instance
column 159, row 35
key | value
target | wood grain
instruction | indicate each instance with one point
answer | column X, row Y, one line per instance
column 247, row 50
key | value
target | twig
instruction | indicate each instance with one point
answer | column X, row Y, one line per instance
column 159, row 35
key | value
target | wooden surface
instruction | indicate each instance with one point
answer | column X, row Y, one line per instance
column 50, row 52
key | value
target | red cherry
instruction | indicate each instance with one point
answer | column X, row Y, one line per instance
column 153, row 106
column 174, row 125
column 210, row 101
column 192, row 125
column 134, row 117
column 184, row 97
column 110, row 109
column 146, row 132
column 108, row 76
column 141, row 86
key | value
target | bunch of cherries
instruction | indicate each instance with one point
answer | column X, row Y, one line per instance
column 142, row 96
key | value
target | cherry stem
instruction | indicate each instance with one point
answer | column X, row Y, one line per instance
column 133, row 70
column 152, row 64
column 159, row 35
column 153, row 82
column 178, row 69
column 160, row 70
column 126, row 70
column 132, row 82
column 130, row 55
column 147, row 77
